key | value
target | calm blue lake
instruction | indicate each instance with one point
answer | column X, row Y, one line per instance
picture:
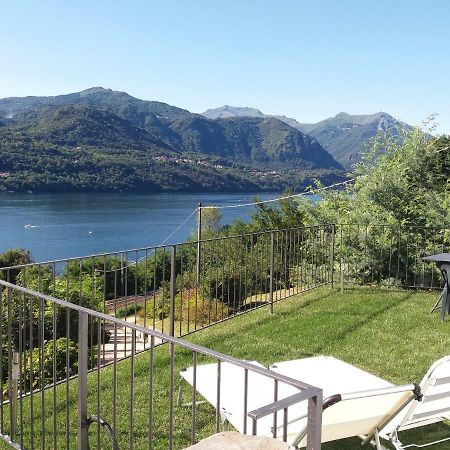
column 58, row 226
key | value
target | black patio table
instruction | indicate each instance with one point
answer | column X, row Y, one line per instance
column 442, row 260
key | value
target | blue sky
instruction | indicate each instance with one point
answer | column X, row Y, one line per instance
column 305, row 59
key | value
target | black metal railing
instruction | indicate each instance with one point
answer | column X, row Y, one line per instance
column 389, row 255
column 209, row 281
column 183, row 288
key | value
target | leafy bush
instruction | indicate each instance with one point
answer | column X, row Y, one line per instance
column 396, row 209
column 397, row 183
column 37, row 365
column 128, row 310
column 191, row 305
column 194, row 307
column 13, row 257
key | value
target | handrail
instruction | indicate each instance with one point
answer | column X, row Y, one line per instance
column 274, row 407
column 309, row 392
column 164, row 337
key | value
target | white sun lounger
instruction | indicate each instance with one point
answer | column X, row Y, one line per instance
column 434, row 407
column 359, row 411
column 360, row 403
column 333, row 375
column 260, row 391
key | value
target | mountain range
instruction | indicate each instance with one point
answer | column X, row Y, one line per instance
column 105, row 140
column 344, row 136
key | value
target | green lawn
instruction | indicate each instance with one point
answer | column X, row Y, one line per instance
column 389, row 333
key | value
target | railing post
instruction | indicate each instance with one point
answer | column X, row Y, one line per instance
column 272, row 246
column 333, row 239
column 342, row 275
column 10, row 360
column 15, row 375
column 199, row 238
column 314, row 424
column 83, row 440
column 173, row 279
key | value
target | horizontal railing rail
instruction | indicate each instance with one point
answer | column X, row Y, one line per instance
column 113, row 398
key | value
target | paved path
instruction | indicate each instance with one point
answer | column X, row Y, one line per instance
column 121, row 342
column 123, row 336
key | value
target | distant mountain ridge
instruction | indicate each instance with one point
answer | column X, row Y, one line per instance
column 100, row 139
column 344, row 136
column 226, row 111
column 96, row 96
column 255, row 141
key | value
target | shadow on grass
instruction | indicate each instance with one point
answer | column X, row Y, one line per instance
column 252, row 305
column 259, row 304
column 365, row 321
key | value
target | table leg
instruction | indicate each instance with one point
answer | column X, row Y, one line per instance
column 445, row 305
column 444, row 302
column 448, row 298
column 437, row 305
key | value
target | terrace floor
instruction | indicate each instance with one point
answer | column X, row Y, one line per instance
column 388, row 333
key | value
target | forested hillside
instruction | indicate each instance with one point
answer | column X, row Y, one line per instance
column 104, row 140
column 344, row 136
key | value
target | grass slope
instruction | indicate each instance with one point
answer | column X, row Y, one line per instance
column 390, row 334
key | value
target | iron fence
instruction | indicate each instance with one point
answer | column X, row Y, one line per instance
column 389, row 255
column 183, row 288
column 209, row 281
column 57, row 394
column 115, row 310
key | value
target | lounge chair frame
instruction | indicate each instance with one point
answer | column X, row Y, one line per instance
column 414, row 417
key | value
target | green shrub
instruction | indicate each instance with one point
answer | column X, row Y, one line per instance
column 129, row 310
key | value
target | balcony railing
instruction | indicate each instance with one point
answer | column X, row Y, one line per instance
column 58, row 395
column 129, row 303
column 209, row 282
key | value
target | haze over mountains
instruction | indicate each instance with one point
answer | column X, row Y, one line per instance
column 105, row 140
column 344, row 136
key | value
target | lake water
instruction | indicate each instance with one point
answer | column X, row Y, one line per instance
column 58, row 226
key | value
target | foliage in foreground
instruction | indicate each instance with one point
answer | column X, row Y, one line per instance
column 396, row 211
column 396, row 183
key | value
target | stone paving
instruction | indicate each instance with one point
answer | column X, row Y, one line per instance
column 121, row 343
column 235, row 441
